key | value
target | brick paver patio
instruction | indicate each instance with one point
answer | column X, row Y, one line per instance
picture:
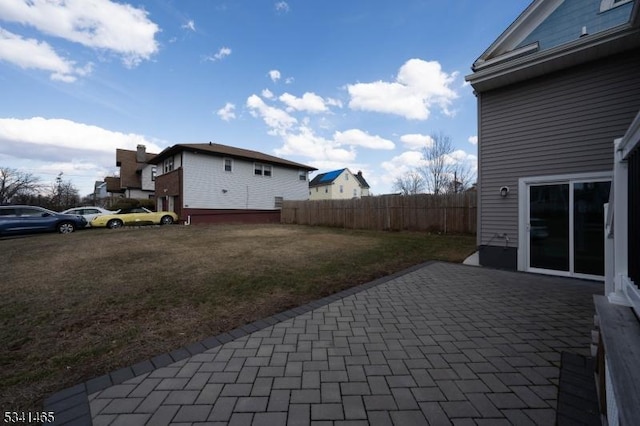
column 442, row 344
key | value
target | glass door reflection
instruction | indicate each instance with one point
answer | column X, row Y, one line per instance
column 549, row 227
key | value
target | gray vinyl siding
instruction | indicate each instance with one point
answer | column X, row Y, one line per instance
column 558, row 124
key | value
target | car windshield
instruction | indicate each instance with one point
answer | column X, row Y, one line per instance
column 133, row 210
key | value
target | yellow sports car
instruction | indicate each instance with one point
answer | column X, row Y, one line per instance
column 134, row 216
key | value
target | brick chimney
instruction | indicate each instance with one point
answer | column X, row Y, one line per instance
column 141, row 154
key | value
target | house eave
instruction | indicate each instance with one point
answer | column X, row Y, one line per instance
column 528, row 20
column 582, row 50
column 185, row 148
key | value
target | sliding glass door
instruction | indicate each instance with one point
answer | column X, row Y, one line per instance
column 565, row 226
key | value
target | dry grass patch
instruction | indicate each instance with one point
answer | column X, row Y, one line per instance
column 78, row 306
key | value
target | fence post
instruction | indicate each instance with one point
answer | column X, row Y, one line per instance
column 445, row 219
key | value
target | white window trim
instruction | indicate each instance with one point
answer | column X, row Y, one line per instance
column 224, row 164
column 523, row 213
column 168, row 165
column 262, row 166
column 610, row 4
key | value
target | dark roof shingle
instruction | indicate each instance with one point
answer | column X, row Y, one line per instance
column 230, row 151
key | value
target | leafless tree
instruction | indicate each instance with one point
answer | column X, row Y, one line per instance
column 14, row 183
column 438, row 169
column 62, row 194
column 462, row 178
column 410, row 183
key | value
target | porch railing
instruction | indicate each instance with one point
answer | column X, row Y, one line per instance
column 633, row 256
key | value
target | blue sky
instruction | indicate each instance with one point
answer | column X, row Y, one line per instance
column 331, row 84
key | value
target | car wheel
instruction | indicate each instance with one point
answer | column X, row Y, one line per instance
column 66, row 227
column 166, row 220
column 114, row 224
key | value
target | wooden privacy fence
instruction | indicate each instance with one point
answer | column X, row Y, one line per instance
column 450, row 213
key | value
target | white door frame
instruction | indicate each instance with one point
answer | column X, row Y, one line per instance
column 523, row 217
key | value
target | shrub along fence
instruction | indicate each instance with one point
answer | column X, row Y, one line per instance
column 449, row 213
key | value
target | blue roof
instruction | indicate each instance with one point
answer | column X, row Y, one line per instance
column 330, row 176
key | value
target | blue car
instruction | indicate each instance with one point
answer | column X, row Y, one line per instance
column 28, row 219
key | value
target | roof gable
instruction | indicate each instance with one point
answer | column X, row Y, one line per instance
column 130, row 167
column 325, row 178
column 546, row 24
column 329, row 177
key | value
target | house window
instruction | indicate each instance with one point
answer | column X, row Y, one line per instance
column 326, row 189
column 302, row 175
column 168, row 165
column 154, row 171
column 278, row 203
column 261, row 169
column 316, row 189
column 346, row 176
column 610, row 4
column 341, row 189
column 355, row 192
column 228, row 165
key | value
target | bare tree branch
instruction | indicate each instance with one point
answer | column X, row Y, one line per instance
column 438, row 170
column 410, row 183
column 462, row 178
column 15, row 183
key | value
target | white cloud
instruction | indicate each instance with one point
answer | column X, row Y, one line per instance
column 222, row 53
column 356, row 137
column 65, row 134
column 304, row 142
column 289, row 80
column 417, row 141
column 309, row 102
column 267, row 94
column 190, row 25
column 399, row 165
column 227, row 113
column 473, row 140
column 100, row 24
column 34, row 54
column 334, row 102
column 274, row 75
column 84, row 152
column 419, row 86
column 460, row 156
column 278, row 120
column 282, row 6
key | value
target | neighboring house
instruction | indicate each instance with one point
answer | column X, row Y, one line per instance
column 558, row 155
column 100, row 190
column 209, row 182
column 136, row 177
column 554, row 91
column 338, row 185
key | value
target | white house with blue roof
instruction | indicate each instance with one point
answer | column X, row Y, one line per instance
column 339, row 184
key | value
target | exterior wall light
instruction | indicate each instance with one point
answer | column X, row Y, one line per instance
column 504, row 191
